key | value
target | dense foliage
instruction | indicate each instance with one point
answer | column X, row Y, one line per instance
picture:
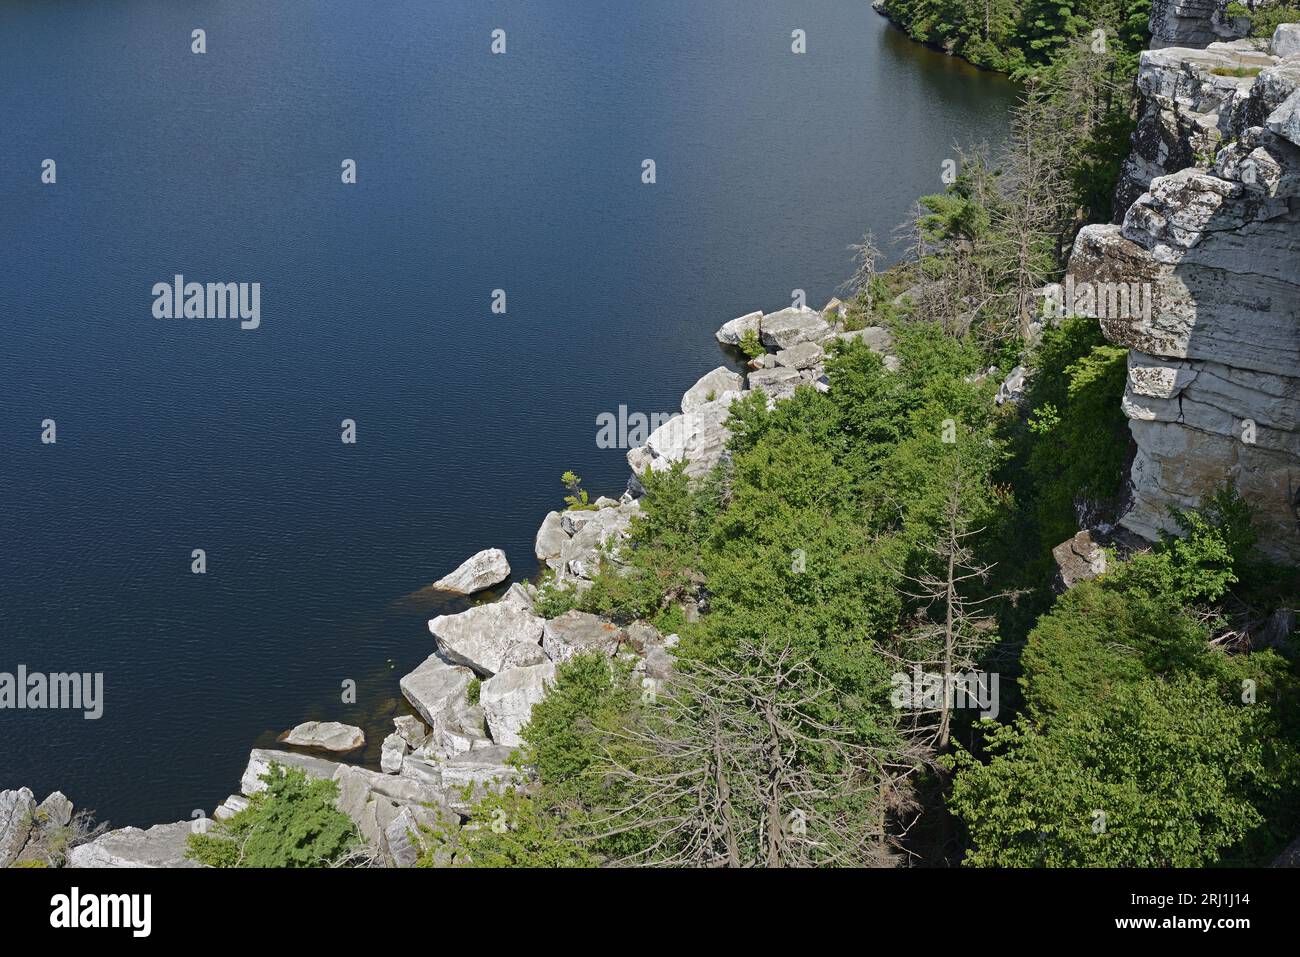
column 292, row 822
column 1021, row 36
column 901, row 525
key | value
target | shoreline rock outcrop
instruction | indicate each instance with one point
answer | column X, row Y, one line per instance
column 326, row 736
column 477, row 573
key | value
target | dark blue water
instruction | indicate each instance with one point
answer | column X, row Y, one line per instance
column 476, row 172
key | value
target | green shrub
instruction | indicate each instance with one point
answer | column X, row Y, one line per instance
column 751, row 345
column 505, row 830
column 1166, row 774
column 291, row 823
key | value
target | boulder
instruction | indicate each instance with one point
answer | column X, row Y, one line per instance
column 803, row 355
column 406, row 836
column 779, row 383
column 260, row 760
column 326, row 735
column 483, row 637
column 483, row 768
column 732, row 332
column 392, row 751
column 573, row 520
column 437, row 691
column 1012, row 388
column 54, row 811
column 1078, row 559
column 370, row 811
column 1286, row 40
column 577, row 632
column 654, row 659
column 1285, row 120
column 423, row 770
column 789, row 327
column 230, row 807
column 163, row 845
column 698, row 438
column 551, row 537
column 711, row 387
column 413, row 731
column 508, row 698
column 518, row 596
column 17, row 815
column 598, row 536
column 489, row 567
column 466, row 735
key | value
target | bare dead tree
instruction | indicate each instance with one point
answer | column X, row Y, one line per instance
column 1035, row 211
column 733, row 767
column 866, row 257
column 952, row 628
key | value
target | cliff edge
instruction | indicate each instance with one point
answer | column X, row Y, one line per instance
column 1211, row 232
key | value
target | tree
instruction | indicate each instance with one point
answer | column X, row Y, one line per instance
column 954, row 642
column 292, row 822
column 731, row 768
column 1167, row 774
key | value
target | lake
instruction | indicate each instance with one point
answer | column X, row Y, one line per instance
column 476, row 172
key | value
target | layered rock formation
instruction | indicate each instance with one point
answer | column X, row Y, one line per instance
column 1213, row 238
column 1192, row 23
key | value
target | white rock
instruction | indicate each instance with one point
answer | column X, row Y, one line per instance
column 789, row 327
column 260, row 760
column 577, row 632
column 230, row 807
column 406, row 836
column 437, row 691
column 413, row 731
column 508, row 699
column 712, row 386
column 598, row 536
column 803, row 355
column 698, row 437
column 517, row 596
column 550, row 538
column 573, row 520
column 391, row 753
column 17, row 811
column 483, row 637
column 489, row 567
column 326, row 735
column 732, row 332
column 54, row 811
column 482, row 768
column 1286, row 40
column 779, row 383
column 163, row 845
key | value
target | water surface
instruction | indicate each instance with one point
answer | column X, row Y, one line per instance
column 477, row 172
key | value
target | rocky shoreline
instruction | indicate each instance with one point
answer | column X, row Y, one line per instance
column 434, row 767
column 1211, row 221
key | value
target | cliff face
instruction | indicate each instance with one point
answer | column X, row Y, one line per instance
column 1211, row 232
column 1192, row 23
